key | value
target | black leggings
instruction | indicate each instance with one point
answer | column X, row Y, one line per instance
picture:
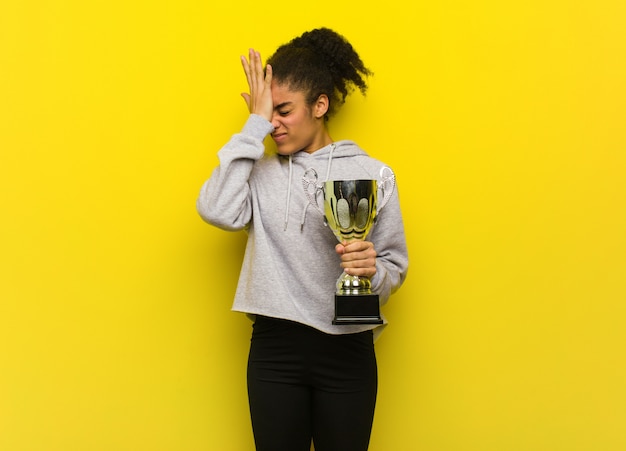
column 306, row 385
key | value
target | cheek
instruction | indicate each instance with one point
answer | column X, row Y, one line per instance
column 300, row 122
column 293, row 120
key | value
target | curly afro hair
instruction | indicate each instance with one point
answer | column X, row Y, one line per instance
column 320, row 61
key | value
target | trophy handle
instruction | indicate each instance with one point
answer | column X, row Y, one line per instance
column 386, row 186
column 312, row 188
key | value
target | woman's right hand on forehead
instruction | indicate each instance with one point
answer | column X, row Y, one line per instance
column 259, row 100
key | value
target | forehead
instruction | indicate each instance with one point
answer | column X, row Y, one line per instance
column 282, row 94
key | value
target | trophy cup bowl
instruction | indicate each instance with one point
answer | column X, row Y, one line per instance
column 350, row 211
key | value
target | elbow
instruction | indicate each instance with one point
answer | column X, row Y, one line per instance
column 218, row 217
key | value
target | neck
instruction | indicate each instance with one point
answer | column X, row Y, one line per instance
column 321, row 141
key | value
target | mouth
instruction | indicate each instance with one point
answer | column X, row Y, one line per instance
column 279, row 136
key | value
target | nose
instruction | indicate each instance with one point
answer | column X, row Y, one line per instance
column 275, row 122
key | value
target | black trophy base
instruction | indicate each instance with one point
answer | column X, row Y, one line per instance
column 357, row 309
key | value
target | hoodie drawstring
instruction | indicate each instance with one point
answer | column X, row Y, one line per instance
column 288, row 193
column 330, row 161
column 306, row 205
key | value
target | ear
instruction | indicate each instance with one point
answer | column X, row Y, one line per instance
column 320, row 108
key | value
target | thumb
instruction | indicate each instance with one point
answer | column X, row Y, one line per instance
column 246, row 97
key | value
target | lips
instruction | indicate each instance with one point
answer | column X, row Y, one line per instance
column 279, row 136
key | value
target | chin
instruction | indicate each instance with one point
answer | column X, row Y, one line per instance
column 285, row 151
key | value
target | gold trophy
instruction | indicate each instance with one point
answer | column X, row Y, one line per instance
column 350, row 211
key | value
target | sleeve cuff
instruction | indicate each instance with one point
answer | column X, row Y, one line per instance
column 257, row 127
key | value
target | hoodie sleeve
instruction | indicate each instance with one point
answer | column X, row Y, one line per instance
column 224, row 199
column 392, row 259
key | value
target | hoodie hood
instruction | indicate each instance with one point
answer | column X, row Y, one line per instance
column 335, row 150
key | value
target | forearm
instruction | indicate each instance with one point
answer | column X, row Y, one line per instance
column 392, row 259
column 224, row 199
column 389, row 277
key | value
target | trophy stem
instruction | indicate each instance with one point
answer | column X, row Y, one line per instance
column 353, row 285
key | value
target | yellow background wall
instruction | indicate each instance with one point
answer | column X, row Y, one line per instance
column 505, row 124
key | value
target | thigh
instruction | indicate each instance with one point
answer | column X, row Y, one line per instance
column 280, row 402
column 345, row 394
column 280, row 415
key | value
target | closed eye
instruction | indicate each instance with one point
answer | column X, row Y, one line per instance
column 283, row 109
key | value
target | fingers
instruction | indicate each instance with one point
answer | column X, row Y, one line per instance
column 246, row 69
column 357, row 246
column 268, row 76
column 256, row 70
column 358, row 258
column 259, row 100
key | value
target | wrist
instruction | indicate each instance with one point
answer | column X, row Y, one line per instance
column 257, row 126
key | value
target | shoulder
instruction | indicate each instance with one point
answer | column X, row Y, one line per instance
column 269, row 165
column 360, row 156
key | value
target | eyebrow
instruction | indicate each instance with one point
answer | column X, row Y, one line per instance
column 281, row 105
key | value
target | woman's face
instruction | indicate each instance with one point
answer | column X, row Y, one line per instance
column 297, row 126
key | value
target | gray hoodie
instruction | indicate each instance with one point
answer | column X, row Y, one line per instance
column 290, row 266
